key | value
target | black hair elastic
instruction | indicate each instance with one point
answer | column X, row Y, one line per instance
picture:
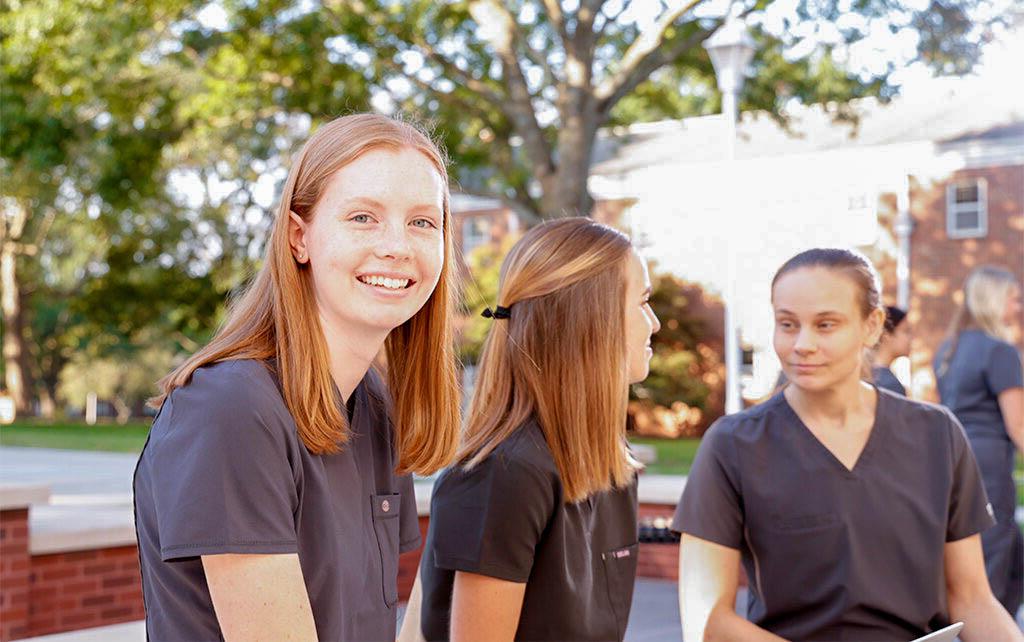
column 500, row 312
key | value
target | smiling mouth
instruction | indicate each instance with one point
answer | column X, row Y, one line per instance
column 386, row 283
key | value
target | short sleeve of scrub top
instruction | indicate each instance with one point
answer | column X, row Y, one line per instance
column 226, row 484
column 491, row 518
column 1003, row 370
column 711, row 506
column 970, row 512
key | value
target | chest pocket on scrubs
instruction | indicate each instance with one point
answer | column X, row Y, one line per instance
column 385, row 527
column 800, row 555
column 619, row 574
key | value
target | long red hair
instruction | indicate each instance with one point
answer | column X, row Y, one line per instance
column 276, row 316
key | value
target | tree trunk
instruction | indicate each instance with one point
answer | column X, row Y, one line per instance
column 17, row 378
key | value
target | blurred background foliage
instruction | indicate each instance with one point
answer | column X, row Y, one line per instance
column 142, row 144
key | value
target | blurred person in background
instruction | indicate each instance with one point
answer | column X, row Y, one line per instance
column 980, row 379
column 273, row 496
column 895, row 343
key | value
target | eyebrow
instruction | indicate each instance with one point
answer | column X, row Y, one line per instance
column 824, row 313
column 375, row 204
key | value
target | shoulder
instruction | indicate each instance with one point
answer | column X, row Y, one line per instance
column 229, row 396
column 526, row 450
column 920, row 417
column 521, row 458
column 237, row 381
column 749, row 425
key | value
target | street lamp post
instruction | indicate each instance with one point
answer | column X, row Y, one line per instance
column 731, row 49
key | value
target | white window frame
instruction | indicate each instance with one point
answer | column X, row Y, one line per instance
column 953, row 208
column 470, row 239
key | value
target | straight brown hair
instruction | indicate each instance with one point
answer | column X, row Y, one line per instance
column 560, row 356
column 276, row 318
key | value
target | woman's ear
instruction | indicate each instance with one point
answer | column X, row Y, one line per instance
column 297, row 229
column 875, row 327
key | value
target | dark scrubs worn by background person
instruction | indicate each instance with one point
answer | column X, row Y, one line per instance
column 224, row 471
column 506, row 519
column 884, row 378
column 979, row 370
column 833, row 553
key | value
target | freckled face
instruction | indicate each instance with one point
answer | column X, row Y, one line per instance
column 820, row 331
column 374, row 243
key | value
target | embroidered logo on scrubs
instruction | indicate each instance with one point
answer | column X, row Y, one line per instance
column 385, row 505
column 619, row 554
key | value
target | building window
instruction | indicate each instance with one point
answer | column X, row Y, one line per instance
column 476, row 231
column 966, row 209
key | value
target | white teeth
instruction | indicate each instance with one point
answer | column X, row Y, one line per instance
column 385, row 282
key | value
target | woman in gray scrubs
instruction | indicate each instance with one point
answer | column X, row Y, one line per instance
column 855, row 512
column 980, row 379
column 272, row 498
column 533, row 536
column 894, row 343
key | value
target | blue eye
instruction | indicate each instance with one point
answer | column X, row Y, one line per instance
column 360, row 218
column 423, row 223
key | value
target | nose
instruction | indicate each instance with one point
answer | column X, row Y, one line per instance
column 655, row 323
column 393, row 242
column 805, row 342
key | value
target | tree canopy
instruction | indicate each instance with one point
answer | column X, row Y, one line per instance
column 142, row 144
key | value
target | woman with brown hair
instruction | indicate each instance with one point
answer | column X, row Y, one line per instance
column 980, row 379
column 533, row 534
column 854, row 511
column 273, row 495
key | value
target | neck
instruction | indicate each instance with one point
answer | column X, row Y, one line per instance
column 351, row 353
column 834, row 404
column 883, row 357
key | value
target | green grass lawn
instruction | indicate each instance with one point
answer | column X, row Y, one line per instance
column 76, row 435
column 675, row 456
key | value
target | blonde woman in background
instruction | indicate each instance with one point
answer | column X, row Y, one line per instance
column 533, row 534
column 272, row 498
column 980, row 379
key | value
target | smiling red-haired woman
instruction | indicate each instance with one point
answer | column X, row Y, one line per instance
column 273, row 496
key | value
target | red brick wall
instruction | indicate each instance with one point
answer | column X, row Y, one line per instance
column 14, row 574
column 84, row 589
column 939, row 265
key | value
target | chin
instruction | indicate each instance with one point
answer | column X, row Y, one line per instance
column 387, row 321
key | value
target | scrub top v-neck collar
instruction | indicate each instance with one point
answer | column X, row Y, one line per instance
column 869, row 446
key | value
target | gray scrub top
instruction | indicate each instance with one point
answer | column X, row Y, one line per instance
column 505, row 518
column 884, row 378
column 224, row 471
column 834, row 554
column 981, row 368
